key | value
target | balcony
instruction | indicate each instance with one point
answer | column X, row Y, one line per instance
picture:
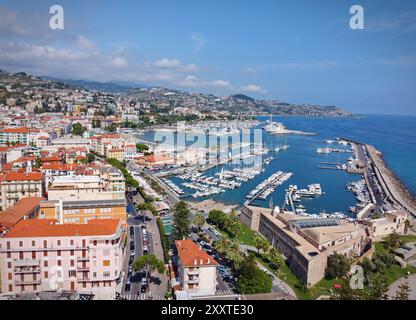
column 26, row 270
column 193, row 280
column 83, row 258
column 194, row 271
column 83, row 279
column 26, row 263
column 83, row 268
column 27, row 282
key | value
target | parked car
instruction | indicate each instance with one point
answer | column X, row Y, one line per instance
column 131, row 232
column 127, row 287
column 143, row 285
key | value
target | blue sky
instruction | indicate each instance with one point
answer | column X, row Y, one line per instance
column 302, row 52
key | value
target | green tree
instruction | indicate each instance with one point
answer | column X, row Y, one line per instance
column 141, row 147
column 90, row 157
column 199, row 220
column 221, row 246
column 234, row 254
column 260, row 243
column 251, row 279
column 77, row 129
column 215, row 216
column 181, row 220
column 38, row 162
column 378, row 286
column 403, row 292
column 275, row 257
column 150, row 263
column 338, row 266
column 393, row 241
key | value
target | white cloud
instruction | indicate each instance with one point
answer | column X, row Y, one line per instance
column 120, row 62
column 199, row 41
column 167, row 63
column 253, row 88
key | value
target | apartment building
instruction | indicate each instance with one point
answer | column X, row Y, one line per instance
column 115, row 153
column 83, row 211
column 98, row 142
column 81, row 188
column 54, row 169
column 112, row 178
column 42, row 255
column 196, row 271
column 393, row 221
column 17, row 185
column 15, row 135
column 305, row 242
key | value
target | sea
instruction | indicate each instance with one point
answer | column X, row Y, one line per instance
column 394, row 136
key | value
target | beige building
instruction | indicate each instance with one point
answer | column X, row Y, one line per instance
column 79, row 188
column 196, row 271
column 393, row 221
column 307, row 243
column 17, row 185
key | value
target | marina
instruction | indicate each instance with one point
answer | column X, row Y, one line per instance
column 300, row 159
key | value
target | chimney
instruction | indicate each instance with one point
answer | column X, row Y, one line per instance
column 201, row 261
column 195, row 263
column 208, row 261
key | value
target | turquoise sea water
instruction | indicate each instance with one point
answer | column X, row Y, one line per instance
column 395, row 136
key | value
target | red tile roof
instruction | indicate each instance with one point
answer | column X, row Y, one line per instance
column 192, row 255
column 59, row 166
column 16, row 130
column 16, row 213
column 26, row 176
column 50, row 228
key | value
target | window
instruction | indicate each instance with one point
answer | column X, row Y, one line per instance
column 72, row 263
column 10, row 287
column 59, row 262
column 33, row 243
column 71, row 252
column 33, row 254
column 106, row 263
column 8, row 245
column 20, row 243
column 21, row 255
column 72, row 273
column 58, row 253
column 9, row 265
column 72, row 242
column 45, row 253
column 45, row 264
column 94, row 274
column 95, row 242
column 10, row 276
column 45, row 274
column 45, row 243
column 106, row 274
column 9, row 255
column 59, row 242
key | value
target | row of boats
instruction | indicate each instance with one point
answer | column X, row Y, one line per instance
column 174, row 187
column 294, row 195
column 268, row 186
column 225, row 179
column 362, row 194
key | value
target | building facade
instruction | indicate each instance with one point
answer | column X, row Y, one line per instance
column 42, row 255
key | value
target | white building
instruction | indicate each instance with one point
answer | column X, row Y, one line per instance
column 196, row 271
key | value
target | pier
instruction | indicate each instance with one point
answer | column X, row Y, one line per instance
column 270, row 183
column 382, row 183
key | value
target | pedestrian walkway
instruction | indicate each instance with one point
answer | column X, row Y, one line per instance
column 224, row 293
column 142, row 296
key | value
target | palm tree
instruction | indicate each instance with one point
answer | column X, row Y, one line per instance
column 234, row 254
column 260, row 243
column 234, row 228
column 275, row 257
column 222, row 246
column 199, row 220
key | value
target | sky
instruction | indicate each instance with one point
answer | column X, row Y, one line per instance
column 295, row 51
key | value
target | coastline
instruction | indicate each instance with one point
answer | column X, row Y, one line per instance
column 395, row 187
